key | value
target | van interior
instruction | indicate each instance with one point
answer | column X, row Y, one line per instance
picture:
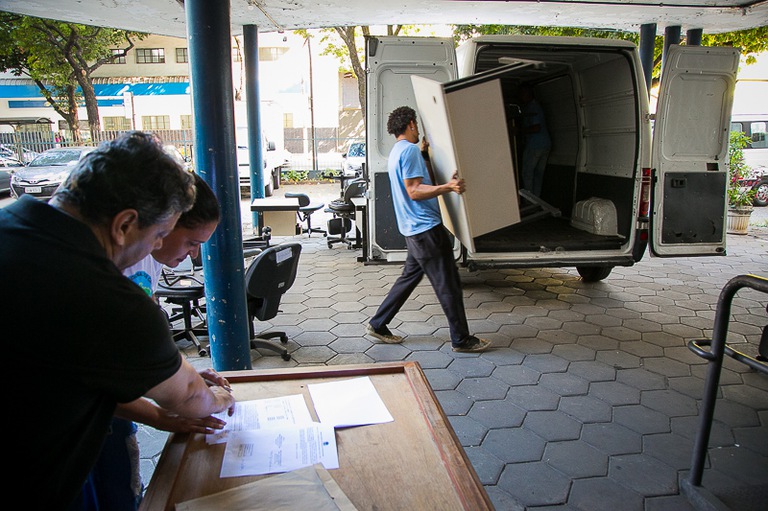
column 590, row 100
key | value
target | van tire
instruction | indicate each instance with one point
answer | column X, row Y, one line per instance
column 268, row 190
column 761, row 189
column 276, row 178
column 593, row 273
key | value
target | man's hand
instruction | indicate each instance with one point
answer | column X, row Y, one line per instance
column 176, row 424
column 455, row 184
column 212, row 378
column 224, row 399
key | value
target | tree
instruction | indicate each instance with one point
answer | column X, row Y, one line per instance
column 60, row 58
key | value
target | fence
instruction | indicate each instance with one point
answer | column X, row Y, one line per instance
column 298, row 150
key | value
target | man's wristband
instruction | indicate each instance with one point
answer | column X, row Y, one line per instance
column 425, row 155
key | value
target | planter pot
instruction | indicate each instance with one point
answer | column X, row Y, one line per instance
column 737, row 221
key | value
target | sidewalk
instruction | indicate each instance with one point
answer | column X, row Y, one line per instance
column 589, row 399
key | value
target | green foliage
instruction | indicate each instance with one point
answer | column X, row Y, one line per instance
column 60, row 58
column 295, row 176
column 738, row 169
column 751, row 42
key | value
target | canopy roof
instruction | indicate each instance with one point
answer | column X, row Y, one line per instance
column 167, row 17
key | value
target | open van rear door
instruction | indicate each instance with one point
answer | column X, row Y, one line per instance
column 390, row 62
column 690, row 146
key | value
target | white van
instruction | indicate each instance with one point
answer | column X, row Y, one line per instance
column 603, row 199
column 755, row 127
column 274, row 161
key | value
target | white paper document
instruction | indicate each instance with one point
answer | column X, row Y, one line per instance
column 352, row 402
column 277, row 412
column 271, row 451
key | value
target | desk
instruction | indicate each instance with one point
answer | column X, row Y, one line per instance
column 361, row 224
column 277, row 213
column 415, row 462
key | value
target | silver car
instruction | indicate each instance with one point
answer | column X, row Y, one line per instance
column 46, row 172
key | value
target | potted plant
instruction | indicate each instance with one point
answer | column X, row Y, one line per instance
column 740, row 198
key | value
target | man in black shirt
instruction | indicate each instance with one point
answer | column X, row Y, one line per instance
column 79, row 337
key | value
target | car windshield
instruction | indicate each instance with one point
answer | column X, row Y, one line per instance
column 56, row 158
column 356, row 150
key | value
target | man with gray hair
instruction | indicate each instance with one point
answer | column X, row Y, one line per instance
column 78, row 336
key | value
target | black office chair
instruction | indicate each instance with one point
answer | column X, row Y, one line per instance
column 268, row 277
column 306, row 208
column 184, row 292
column 343, row 211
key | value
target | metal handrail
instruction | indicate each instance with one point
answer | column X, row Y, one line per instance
column 717, row 349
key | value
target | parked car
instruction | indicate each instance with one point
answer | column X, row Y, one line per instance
column 7, row 167
column 755, row 127
column 758, row 181
column 184, row 161
column 354, row 159
column 11, row 151
column 47, row 171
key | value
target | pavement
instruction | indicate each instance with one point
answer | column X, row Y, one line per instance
column 589, row 399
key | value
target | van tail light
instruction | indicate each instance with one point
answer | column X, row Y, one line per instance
column 645, row 193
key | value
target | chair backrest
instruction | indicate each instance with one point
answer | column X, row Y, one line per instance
column 303, row 198
column 355, row 188
column 269, row 276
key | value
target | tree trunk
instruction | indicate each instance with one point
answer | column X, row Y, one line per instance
column 347, row 34
column 91, row 103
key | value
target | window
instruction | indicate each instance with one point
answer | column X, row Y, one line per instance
column 287, row 120
column 236, row 55
column 116, row 123
column 758, row 130
column 181, row 55
column 155, row 122
column 150, row 56
column 186, row 122
column 120, row 59
column 271, row 53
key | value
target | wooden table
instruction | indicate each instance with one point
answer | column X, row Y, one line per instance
column 415, row 462
column 277, row 213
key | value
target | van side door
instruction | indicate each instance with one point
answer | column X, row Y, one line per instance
column 690, row 147
column 390, row 62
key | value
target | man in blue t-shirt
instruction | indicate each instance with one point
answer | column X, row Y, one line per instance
column 430, row 250
column 537, row 141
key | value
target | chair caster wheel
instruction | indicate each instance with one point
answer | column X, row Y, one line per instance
column 286, row 356
column 330, row 245
column 202, row 352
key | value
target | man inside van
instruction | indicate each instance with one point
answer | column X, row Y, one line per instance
column 430, row 250
column 537, row 141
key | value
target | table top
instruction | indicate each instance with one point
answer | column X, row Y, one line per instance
column 275, row 204
column 414, row 462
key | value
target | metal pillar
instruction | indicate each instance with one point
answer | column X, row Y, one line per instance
column 253, row 107
column 693, row 37
column 210, row 56
column 671, row 36
column 647, row 45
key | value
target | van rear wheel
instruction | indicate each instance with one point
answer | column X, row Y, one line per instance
column 593, row 273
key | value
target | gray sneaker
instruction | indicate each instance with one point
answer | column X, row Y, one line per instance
column 473, row 345
column 384, row 335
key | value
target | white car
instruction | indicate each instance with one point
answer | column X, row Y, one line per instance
column 354, row 159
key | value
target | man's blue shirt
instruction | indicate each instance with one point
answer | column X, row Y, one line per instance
column 413, row 217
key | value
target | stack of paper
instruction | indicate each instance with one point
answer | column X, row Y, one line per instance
column 269, row 436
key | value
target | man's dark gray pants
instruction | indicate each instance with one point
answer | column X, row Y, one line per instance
column 430, row 253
